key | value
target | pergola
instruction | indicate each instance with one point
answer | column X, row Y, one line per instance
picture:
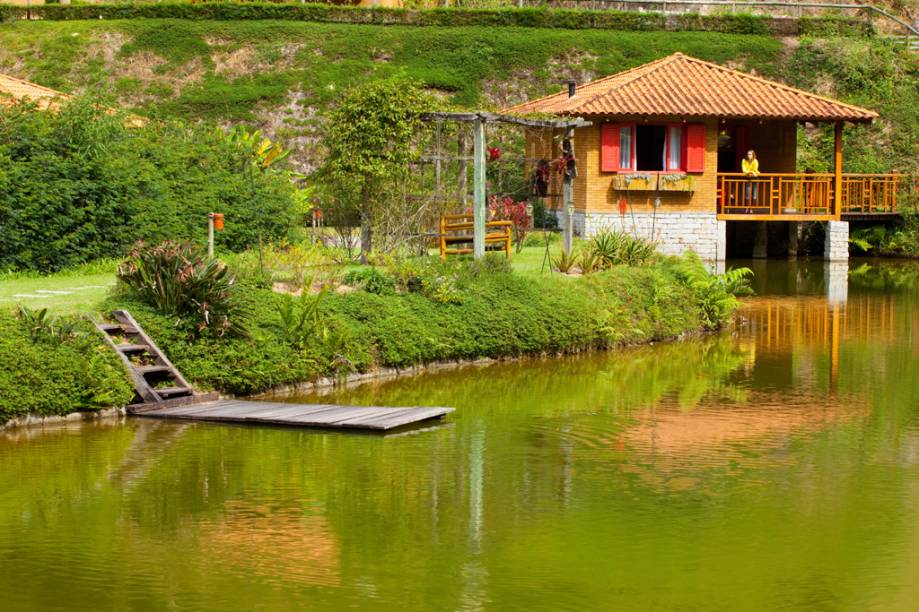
column 479, row 121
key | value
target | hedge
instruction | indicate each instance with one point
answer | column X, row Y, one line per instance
column 78, row 185
column 536, row 17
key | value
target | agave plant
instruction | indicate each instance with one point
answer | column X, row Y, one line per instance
column 589, row 261
column 178, row 279
column 565, row 262
column 617, row 248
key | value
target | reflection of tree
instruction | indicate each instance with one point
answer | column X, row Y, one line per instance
column 613, row 382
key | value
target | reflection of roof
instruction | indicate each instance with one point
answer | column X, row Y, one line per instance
column 16, row 90
column 683, row 86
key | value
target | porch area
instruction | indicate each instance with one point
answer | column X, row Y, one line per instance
column 809, row 196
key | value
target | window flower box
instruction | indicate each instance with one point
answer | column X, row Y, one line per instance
column 637, row 181
column 675, row 182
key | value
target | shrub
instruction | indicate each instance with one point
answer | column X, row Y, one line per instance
column 78, row 185
column 57, row 374
column 177, row 279
column 371, row 280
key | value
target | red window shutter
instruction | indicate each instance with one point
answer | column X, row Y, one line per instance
column 609, row 147
column 695, row 147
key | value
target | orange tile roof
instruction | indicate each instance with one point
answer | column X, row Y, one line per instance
column 683, row 86
column 15, row 90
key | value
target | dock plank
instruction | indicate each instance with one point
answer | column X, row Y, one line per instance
column 379, row 418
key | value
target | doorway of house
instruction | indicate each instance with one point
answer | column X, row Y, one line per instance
column 727, row 149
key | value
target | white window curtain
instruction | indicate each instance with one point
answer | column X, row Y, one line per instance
column 625, row 147
column 676, row 148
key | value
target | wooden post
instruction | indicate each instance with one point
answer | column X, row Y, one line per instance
column 568, row 198
column 837, row 171
column 463, row 168
column 210, row 234
column 478, row 190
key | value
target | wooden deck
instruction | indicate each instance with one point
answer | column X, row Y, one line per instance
column 375, row 418
column 810, row 196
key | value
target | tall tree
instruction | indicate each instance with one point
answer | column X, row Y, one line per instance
column 370, row 139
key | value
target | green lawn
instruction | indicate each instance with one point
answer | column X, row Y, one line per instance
column 79, row 291
column 65, row 293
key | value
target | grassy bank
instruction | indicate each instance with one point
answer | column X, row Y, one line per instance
column 49, row 370
column 465, row 311
column 486, row 314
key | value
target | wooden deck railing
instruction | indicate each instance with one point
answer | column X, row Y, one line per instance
column 809, row 195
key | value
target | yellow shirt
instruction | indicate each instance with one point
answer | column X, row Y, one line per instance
column 750, row 167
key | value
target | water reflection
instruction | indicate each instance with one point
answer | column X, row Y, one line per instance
column 774, row 467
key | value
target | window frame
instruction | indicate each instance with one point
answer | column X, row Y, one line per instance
column 668, row 126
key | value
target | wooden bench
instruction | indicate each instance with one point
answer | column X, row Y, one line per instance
column 456, row 230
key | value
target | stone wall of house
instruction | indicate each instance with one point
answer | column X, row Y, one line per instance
column 675, row 233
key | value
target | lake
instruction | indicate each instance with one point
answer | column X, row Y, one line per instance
column 771, row 467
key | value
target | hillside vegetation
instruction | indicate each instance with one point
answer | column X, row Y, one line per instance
column 282, row 75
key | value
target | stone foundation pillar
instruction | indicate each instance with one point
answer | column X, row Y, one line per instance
column 761, row 242
column 836, row 246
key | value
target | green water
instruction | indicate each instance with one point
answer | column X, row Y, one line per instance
column 774, row 468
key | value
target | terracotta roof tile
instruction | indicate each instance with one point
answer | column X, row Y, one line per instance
column 15, row 90
column 683, row 86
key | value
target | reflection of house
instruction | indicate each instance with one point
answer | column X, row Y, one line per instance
column 268, row 542
column 665, row 150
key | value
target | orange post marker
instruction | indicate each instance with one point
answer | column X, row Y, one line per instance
column 218, row 221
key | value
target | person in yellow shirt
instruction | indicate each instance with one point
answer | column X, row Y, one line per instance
column 750, row 167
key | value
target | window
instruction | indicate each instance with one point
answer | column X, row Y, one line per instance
column 652, row 147
column 625, row 146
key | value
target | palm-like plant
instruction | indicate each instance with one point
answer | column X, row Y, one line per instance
column 176, row 278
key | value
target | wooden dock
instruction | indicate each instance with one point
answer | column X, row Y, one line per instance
column 375, row 418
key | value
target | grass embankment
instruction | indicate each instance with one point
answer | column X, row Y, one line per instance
column 44, row 374
column 464, row 312
column 490, row 314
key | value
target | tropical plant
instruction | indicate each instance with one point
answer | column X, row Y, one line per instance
column 716, row 293
column 589, row 261
column 176, row 278
column 868, row 238
column 301, row 319
column 565, row 262
column 43, row 327
column 617, row 248
column 506, row 209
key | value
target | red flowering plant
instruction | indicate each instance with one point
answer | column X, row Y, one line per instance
column 518, row 213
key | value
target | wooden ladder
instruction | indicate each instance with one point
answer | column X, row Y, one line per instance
column 156, row 379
